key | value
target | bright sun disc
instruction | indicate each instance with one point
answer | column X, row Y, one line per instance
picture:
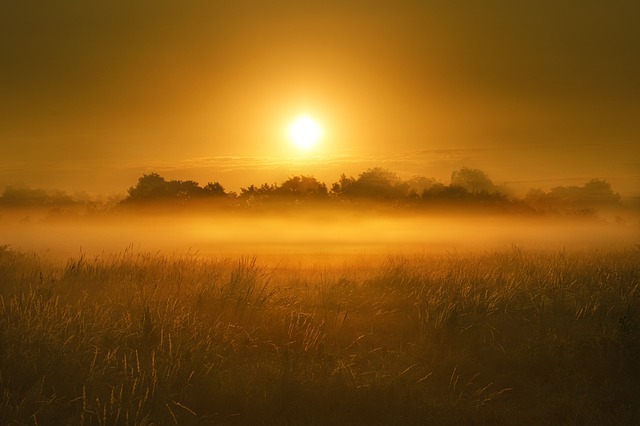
column 305, row 132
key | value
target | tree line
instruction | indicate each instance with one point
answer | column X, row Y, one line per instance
column 374, row 184
column 468, row 187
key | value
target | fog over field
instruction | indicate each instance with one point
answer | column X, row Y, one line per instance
column 320, row 233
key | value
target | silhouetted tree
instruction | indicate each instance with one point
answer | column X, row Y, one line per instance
column 599, row 192
column 153, row 187
column 473, row 180
column 374, row 183
column 343, row 186
column 418, row 184
column 302, row 187
column 215, row 190
column 185, row 190
column 149, row 187
column 253, row 194
column 27, row 197
column 595, row 193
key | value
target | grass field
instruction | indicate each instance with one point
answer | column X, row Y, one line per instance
column 503, row 337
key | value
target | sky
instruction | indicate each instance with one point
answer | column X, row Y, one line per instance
column 535, row 93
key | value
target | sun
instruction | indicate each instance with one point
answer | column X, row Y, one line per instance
column 304, row 132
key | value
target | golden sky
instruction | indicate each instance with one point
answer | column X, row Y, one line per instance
column 538, row 93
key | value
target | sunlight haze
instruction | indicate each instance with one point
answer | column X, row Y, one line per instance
column 537, row 94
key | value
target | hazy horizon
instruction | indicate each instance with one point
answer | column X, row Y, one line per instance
column 122, row 180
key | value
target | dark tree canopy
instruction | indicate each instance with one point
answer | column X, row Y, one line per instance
column 27, row 197
column 149, row 187
column 595, row 193
column 376, row 183
column 153, row 187
column 419, row 184
column 473, row 180
column 295, row 188
column 302, row 187
column 468, row 187
column 215, row 189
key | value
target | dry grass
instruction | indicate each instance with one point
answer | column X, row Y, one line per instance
column 508, row 337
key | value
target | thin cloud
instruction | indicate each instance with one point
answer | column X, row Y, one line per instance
column 412, row 162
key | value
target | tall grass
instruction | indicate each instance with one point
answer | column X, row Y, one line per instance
column 507, row 337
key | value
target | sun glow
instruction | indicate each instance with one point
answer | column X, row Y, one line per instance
column 304, row 132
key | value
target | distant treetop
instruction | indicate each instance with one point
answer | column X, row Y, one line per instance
column 153, row 187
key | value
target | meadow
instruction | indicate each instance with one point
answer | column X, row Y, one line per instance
column 498, row 336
